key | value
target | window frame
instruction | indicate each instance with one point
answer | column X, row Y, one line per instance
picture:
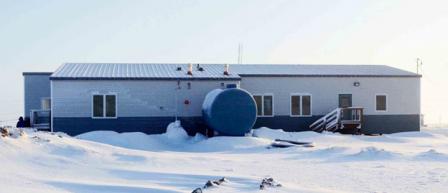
column 42, row 102
column 300, row 95
column 104, row 105
column 386, row 105
column 256, row 104
column 262, row 104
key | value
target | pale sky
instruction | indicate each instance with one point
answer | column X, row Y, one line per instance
column 42, row 34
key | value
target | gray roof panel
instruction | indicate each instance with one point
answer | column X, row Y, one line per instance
column 140, row 71
column 112, row 71
column 320, row 70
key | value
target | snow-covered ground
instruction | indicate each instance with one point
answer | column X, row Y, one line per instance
column 105, row 161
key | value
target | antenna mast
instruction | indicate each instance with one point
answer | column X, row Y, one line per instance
column 419, row 65
column 240, row 53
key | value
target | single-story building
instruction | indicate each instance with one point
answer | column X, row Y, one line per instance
column 83, row 97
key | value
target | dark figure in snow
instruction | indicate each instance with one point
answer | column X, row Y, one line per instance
column 21, row 123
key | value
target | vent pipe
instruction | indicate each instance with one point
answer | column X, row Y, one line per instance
column 226, row 69
column 190, row 69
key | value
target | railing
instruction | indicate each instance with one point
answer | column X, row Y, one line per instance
column 351, row 116
column 339, row 118
column 40, row 119
column 328, row 122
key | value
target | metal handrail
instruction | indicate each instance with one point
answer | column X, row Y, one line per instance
column 35, row 116
column 334, row 121
column 322, row 123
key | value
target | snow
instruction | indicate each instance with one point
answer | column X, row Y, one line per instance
column 105, row 161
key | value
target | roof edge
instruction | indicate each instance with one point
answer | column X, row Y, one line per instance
column 144, row 78
column 336, row 75
column 36, row 73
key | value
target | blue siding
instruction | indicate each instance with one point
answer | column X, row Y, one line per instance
column 287, row 123
column 156, row 125
column 372, row 124
column 37, row 86
column 387, row 124
column 149, row 125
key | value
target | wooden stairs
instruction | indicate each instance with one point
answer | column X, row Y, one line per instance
column 344, row 120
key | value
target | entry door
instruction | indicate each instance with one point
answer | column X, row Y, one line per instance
column 345, row 100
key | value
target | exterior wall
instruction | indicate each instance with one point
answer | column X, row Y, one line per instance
column 142, row 105
column 149, row 125
column 150, row 105
column 37, row 87
column 403, row 100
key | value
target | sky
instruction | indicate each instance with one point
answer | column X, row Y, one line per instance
column 40, row 35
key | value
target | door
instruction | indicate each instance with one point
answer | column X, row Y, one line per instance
column 345, row 100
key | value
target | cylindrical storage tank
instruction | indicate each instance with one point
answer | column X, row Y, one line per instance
column 230, row 111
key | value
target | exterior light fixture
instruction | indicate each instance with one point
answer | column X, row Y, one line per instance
column 356, row 84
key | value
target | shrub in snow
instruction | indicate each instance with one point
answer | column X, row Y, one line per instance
column 197, row 190
column 11, row 132
column 175, row 131
column 4, row 132
column 269, row 182
column 211, row 183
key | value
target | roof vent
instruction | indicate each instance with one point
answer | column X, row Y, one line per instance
column 226, row 69
column 179, row 68
column 199, row 68
column 190, row 69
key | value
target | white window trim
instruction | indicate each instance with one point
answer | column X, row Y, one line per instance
column 262, row 104
column 104, row 106
column 387, row 102
column 301, row 106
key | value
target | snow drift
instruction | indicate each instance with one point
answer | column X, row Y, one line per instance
column 105, row 161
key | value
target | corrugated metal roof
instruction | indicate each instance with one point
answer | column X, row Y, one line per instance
column 139, row 71
column 320, row 70
column 215, row 71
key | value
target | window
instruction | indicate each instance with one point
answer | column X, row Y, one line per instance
column 110, row 106
column 381, row 102
column 300, row 105
column 265, row 105
column 45, row 104
column 295, row 105
column 104, row 106
column 306, row 105
column 98, row 106
column 258, row 101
